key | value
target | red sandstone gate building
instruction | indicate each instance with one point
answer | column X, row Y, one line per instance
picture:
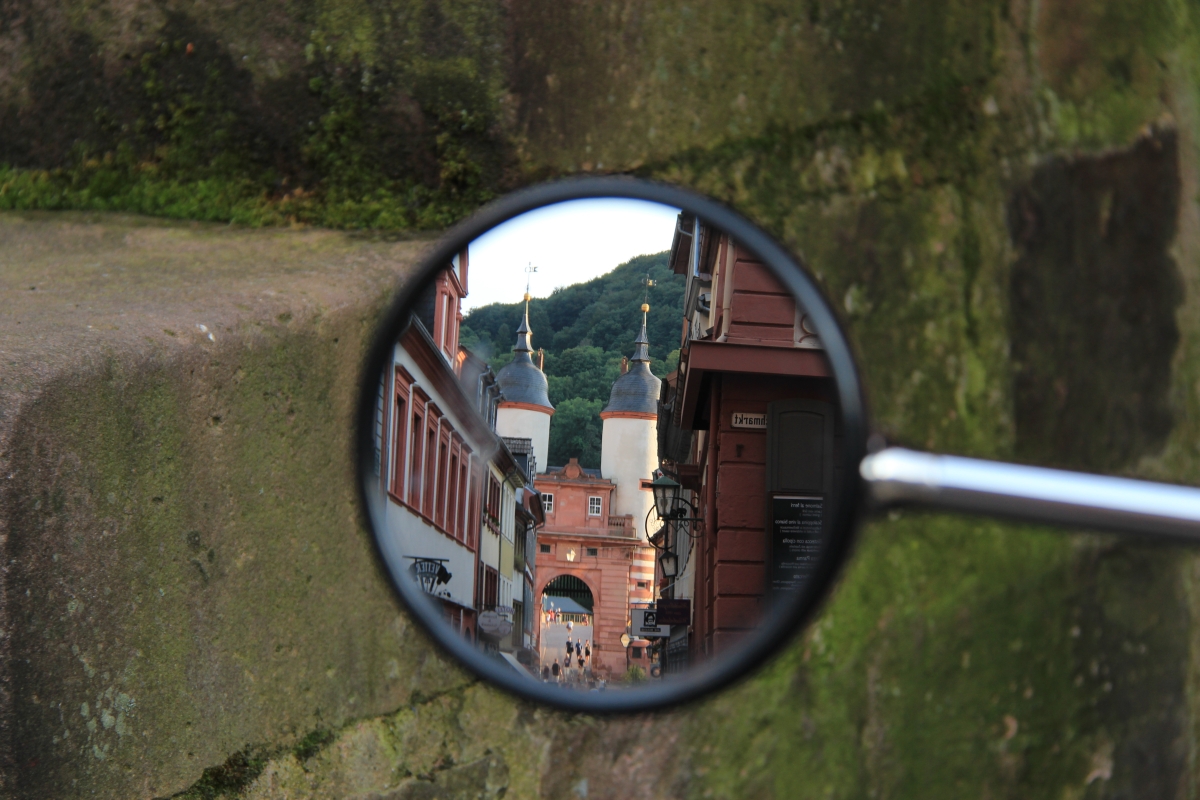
column 595, row 519
column 581, row 538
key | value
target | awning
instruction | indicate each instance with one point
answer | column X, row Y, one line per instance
column 517, row 665
column 564, row 604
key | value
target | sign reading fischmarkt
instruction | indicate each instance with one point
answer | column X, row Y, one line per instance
column 741, row 419
column 645, row 624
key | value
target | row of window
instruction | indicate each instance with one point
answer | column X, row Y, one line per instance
column 591, row 551
column 433, row 471
column 595, row 504
column 493, row 506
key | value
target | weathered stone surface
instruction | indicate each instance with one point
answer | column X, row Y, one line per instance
column 185, row 573
column 1001, row 199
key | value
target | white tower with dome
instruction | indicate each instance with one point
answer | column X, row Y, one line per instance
column 629, row 448
column 524, row 411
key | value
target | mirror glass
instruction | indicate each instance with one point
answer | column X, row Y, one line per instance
column 605, row 448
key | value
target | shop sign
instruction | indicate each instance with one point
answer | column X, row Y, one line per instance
column 429, row 572
column 675, row 612
column 493, row 624
column 646, row 625
column 757, row 422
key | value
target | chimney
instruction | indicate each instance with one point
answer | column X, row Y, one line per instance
column 541, row 359
column 624, row 364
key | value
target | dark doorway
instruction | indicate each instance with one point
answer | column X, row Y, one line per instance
column 571, row 587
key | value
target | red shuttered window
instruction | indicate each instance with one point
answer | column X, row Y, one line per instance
column 400, row 415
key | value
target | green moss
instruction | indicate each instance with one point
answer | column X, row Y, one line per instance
column 1105, row 67
column 467, row 742
column 197, row 550
column 604, row 90
column 229, row 779
column 822, row 160
column 312, row 743
column 391, row 119
column 957, row 659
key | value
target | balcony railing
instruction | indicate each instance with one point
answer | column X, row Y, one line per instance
column 621, row 526
column 598, row 526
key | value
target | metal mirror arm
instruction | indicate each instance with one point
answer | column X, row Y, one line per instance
column 896, row 476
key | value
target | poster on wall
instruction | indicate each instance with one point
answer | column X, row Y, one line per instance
column 796, row 531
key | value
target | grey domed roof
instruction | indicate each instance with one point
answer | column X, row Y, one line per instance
column 637, row 390
column 521, row 381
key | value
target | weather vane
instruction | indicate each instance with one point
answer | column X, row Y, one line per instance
column 647, row 282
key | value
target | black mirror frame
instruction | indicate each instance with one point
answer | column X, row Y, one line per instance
column 779, row 628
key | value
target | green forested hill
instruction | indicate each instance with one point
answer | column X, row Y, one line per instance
column 585, row 329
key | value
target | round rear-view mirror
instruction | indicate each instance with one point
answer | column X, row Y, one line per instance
column 612, row 445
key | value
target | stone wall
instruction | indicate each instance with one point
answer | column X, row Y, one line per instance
column 1000, row 197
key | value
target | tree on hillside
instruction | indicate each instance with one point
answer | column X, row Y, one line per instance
column 605, row 311
column 586, row 372
column 575, row 431
column 586, row 329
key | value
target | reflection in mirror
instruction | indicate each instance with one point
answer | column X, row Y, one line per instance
column 605, row 444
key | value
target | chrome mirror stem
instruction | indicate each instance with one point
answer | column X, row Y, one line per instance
column 896, row 476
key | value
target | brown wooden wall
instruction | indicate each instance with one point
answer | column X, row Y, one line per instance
column 731, row 553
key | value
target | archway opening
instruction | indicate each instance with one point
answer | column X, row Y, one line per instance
column 569, row 586
column 567, row 621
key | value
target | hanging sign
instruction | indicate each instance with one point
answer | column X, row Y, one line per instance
column 675, row 612
column 493, row 624
column 645, row 624
column 741, row 419
column 429, row 572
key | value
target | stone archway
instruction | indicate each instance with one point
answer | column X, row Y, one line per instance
column 573, row 588
column 576, row 594
column 574, row 574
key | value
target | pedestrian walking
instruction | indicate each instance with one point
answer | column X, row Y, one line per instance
column 556, row 670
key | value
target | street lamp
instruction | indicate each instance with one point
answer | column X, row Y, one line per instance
column 675, row 512
column 666, row 497
column 670, row 564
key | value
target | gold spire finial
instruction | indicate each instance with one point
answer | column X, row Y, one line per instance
column 645, row 307
column 529, row 270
